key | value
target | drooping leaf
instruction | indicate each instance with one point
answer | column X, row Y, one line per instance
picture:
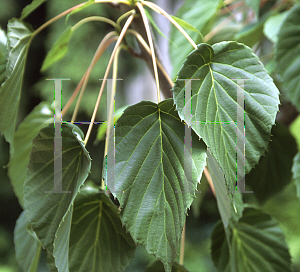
column 98, row 241
column 157, row 266
column 27, row 245
column 273, row 171
column 18, row 36
column 257, row 244
column 215, row 70
column 230, row 205
column 30, row 8
column 58, row 50
column 40, row 117
column 197, row 13
column 151, row 185
column 296, row 172
column 288, row 54
column 272, row 26
column 46, row 211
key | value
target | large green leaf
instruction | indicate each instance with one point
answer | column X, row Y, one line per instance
column 27, row 245
column 18, row 37
column 273, row 171
column 48, row 212
column 288, row 54
column 296, row 172
column 214, row 103
column 197, row 13
column 149, row 170
column 31, row 7
column 257, row 244
column 40, row 117
column 98, row 241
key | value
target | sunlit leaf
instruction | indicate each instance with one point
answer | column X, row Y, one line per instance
column 18, row 36
column 31, row 7
column 272, row 26
column 214, row 103
column 40, row 117
column 27, row 246
column 150, row 181
column 288, row 54
column 257, row 244
column 98, row 241
column 48, row 211
column 58, row 50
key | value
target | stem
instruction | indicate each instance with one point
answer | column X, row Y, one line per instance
column 111, row 106
column 210, row 182
column 182, row 243
column 123, row 16
column 145, row 45
column 122, row 34
column 147, row 28
column 108, row 39
column 158, row 9
column 55, row 19
column 94, row 18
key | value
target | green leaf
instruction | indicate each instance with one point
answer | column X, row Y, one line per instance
column 47, row 212
column 17, row 46
column 102, row 128
column 199, row 14
column 157, row 266
column 98, row 241
column 273, row 171
column 296, row 172
column 272, row 26
column 214, row 103
column 229, row 205
column 27, row 245
column 149, row 170
column 257, row 244
column 288, row 54
column 30, row 8
column 40, row 117
column 186, row 25
column 58, row 50
column 295, row 130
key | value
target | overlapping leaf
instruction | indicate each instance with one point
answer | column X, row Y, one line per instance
column 27, row 246
column 18, row 36
column 257, row 244
column 150, row 182
column 157, row 266
column 3, row 40
column 98, row 241
column 214, row 71
column 273, row 171
column 288, row 54
column 48, row 212
column 40, row 117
